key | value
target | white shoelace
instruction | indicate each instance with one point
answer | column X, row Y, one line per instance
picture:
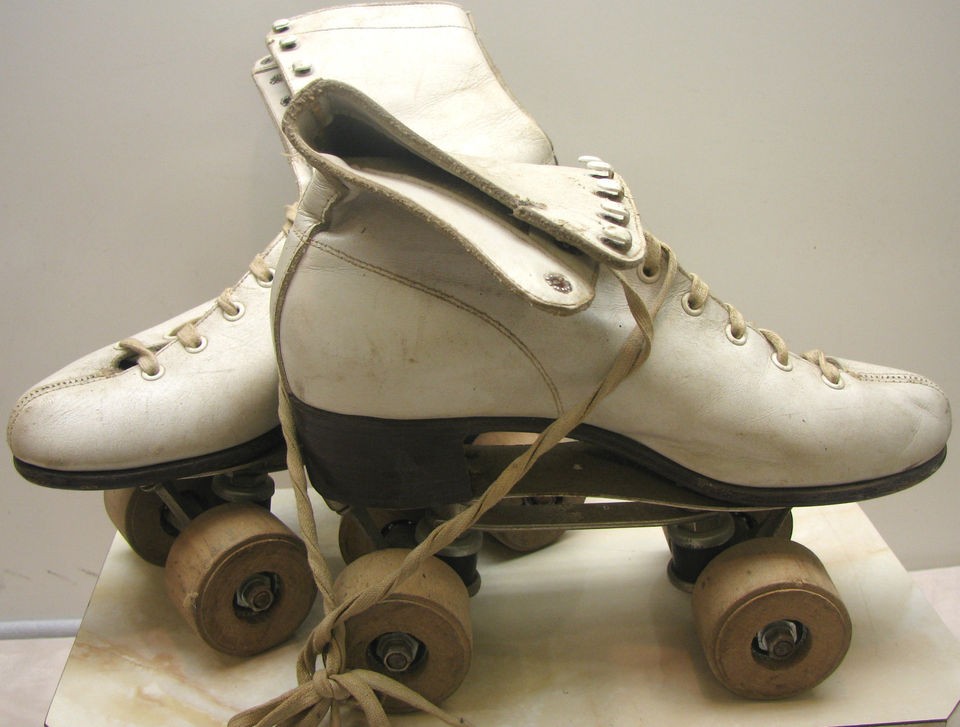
column 737, row 330
column 187, row 333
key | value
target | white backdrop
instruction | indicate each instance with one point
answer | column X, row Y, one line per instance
column 804, row 158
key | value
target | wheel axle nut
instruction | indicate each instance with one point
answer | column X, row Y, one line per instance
column 397, row 651
column 257, row 593
column 778, row 640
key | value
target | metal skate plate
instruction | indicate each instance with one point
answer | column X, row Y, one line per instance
column 634, row 497
column 587, row 631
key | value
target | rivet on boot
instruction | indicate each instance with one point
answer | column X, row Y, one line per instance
column 558, row 282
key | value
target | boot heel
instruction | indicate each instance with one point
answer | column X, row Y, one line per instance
column 381, row 462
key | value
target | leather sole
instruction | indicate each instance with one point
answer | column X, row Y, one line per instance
column 266, row 453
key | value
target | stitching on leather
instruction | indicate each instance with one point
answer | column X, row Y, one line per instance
column 457, row 303
column 293, row 265
column 319, row 222
column 64, row 384
column 46, row 389
column 891, row 378
column 106, row 372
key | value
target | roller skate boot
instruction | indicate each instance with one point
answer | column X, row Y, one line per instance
column 461, row 105
column 182, row 417
column 427, row 298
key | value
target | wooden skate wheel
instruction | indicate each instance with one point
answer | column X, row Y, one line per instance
column 240, row 578
column 139, row 516
column 527, row 541
column 769, row 619
column 428, row 614
column 521, row 541
column 355, row 542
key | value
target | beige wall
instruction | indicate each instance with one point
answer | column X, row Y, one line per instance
column 801, row 157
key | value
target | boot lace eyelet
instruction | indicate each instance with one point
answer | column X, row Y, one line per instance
column 267, row 282
column 199, row 347
column 732, row 338
column 688, row 308
column 838, row 384
column 788, row 366
column 154, row 376
column 651, row 277
column 241, row 309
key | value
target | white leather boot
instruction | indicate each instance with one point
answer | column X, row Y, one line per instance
column 426, row 297
column 198, row 393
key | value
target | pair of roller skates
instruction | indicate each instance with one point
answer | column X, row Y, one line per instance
column 442, row 283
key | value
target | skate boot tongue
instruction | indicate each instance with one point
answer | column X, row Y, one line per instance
column 543, row 230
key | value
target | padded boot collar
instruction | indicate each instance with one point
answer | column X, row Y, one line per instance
column 563, row 222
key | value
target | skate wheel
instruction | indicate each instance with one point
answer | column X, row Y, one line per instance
column 141, row 518
column 527, row 541
column 396, row 526
column 240, row 578
column 419, row 635
column 769, row 619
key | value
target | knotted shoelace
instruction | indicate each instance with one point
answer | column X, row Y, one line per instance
column 324, row 680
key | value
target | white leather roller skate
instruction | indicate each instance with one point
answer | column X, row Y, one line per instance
column 427, row 297
column 183, row 416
